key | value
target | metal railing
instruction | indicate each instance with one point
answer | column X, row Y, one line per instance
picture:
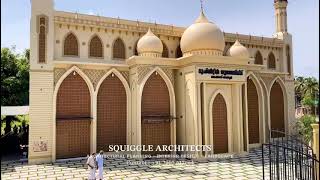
column 288, row 157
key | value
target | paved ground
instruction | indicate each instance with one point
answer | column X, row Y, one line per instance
column 244, row 167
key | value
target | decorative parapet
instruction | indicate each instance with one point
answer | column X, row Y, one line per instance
column 254, row 40
column 115, row 23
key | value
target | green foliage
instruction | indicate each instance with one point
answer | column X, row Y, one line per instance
column 14, row 77
column 14, row 83
column 304, row 126
column 307, row 91
column 308, row 100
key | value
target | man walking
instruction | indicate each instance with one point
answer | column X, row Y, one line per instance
column 99, row 160
column 91, row 162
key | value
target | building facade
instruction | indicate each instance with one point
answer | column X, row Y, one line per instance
column 98, row 81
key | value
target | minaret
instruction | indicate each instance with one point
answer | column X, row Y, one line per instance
column 281, row 15
column 285, row 58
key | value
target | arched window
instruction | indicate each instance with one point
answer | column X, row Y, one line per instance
column 135, row 50
column 258, row 59
column 119, row 51
column 71, row 47
column 165, row 52
column 42, row 25
column 288, row 59
column 178, row 52
column 95, row 47
column 226, row 48
column 220, row 124
column 271, row 61
column 277, row 117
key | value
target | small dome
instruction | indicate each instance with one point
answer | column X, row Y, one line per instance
column 149, row 45
column 203, row 37
column 238, row 50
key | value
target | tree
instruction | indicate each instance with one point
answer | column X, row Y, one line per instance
column 14, row 80
column 307, row 90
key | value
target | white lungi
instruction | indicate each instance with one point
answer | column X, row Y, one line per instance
column 92, row 174
column 100, row 173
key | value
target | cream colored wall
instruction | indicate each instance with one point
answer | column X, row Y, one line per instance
column 108, row 37
column 188, row 107
column 265, row 52
column 41, row 111
column 41, row 85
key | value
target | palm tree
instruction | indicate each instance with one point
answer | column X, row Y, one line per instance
column 311, row 86
column 307, row 89
column 298, row 86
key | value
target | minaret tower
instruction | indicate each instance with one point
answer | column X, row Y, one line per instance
column 281, row 15
column 282, row 33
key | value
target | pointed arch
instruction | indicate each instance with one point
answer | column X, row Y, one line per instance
column 71, row 45
column 278, row 106
column 172, row 112
column 178, row 52
column 256, row 94
column 135, row 50
column 219, row 118
column 155, row 112
column 70, row 71
column 72, row 114
column 253, row 112
column 118, row 49
column 81, row 73
column 113, row 98
column 165, row 78
column 258, row 59
column 165, row 52
column 271, row 61
column 95, row 47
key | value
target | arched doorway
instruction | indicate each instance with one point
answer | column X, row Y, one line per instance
column 73, row 117
column 155, row 112
column 220, row 125
column 253, row 112
column 277, row 109
column 111, row 113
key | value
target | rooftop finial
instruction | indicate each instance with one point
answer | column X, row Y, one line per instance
column 201, row 5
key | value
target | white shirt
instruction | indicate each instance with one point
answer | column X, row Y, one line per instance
column 91, row 162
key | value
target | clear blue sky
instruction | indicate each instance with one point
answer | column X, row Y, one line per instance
column 255, row 17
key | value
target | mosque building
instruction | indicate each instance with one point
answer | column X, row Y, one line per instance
column 98, row 81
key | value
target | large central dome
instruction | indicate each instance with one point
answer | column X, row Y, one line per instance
column 203, row 37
